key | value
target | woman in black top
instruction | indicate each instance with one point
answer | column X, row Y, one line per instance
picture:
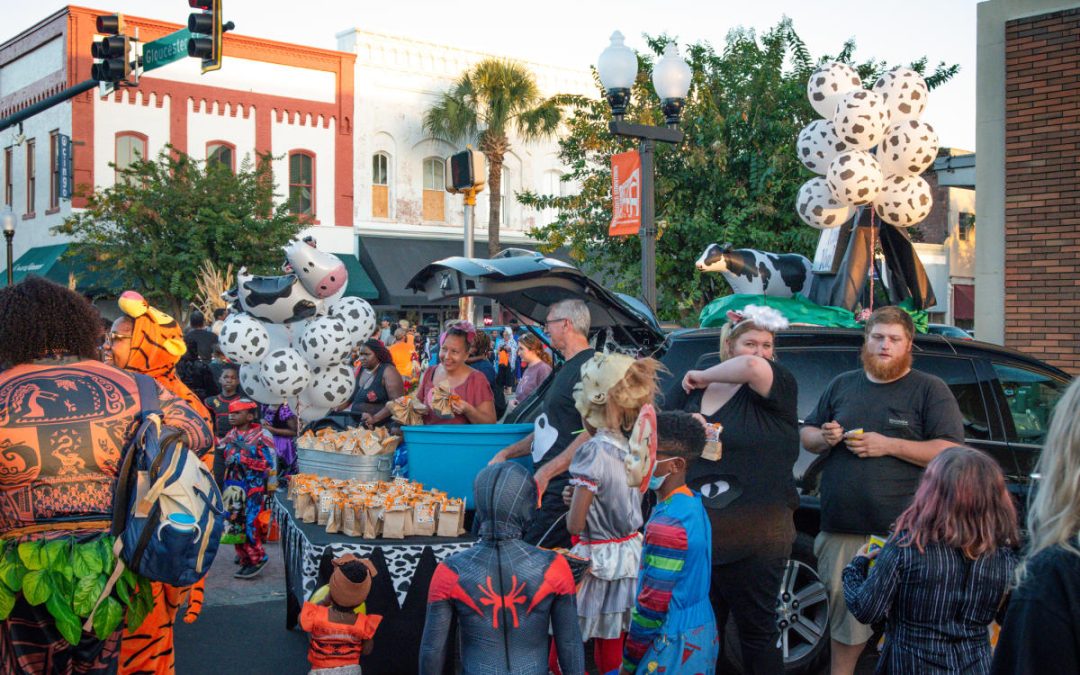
column 755, row 400
column 1041, row 633
column 377, row 382
column 942, row 576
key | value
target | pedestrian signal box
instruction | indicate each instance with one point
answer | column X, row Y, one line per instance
column 465, row 171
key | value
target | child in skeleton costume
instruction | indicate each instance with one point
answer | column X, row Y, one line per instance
column 605, row 510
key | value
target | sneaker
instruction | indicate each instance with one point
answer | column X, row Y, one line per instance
column 243, row 573
column 253, row 570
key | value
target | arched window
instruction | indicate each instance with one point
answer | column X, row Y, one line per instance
column 223, row 153
column 553, row 187
column 302, row 183
column 380, row 185
column 434, row 190
column 130, row 148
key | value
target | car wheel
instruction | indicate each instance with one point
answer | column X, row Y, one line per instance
column 802, row 616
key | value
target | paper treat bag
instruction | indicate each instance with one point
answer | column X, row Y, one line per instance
column 451, row 519
column 424, row 518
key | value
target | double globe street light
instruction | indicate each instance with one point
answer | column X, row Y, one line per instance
column 7, row 220
column 618, row 69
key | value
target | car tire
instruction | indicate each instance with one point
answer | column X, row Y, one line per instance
column 803, row 616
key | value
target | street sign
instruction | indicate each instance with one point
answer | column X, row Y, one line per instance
column 164, row 51
column 63, row 161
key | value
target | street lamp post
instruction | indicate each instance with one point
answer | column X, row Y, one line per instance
column 8, row 218
column 617, row 68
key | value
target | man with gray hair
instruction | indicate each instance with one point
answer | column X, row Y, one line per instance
column 557, row 431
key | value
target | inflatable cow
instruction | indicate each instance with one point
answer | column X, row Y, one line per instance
column 317, row 278
column 753, row 272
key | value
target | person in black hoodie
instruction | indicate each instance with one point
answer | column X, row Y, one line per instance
column 195, row 373
column 1041, row 633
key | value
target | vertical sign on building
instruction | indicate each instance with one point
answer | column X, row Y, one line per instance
column 64, row 180
column 625, row 194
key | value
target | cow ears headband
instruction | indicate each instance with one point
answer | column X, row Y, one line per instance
column 763, row 318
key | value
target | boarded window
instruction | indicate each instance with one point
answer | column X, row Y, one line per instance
column 434, row 189
column 380, row 186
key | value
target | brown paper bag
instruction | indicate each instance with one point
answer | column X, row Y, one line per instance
column 326, row 504
column 451, row 519
column 350, row 526
column 373, row 522
column 333, row 521
column 713, row 449
column 442, row 397
column 409, row 529
column 424, row 519
column 406, row 411
column 305, row 507
column 394, row 522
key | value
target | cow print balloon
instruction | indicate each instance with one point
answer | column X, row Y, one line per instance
column 243, row 338
column 325, row 342
column 909, row 148
column 854, row 178
column 818, row 144
column 905, row 93
column 285, row 372
column 817, row 207
column 904, row 200
column 828, row 83
column 358, row 316
column 861, row 119
column 330, row 386
column 253, row 387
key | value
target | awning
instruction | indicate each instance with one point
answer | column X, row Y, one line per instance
column 50, row 262
column 963, row 302
column 360, row 283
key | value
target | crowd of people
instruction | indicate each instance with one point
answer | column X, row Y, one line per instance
column 919, row 538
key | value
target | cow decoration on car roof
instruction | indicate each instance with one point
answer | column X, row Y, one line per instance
column 753, row 272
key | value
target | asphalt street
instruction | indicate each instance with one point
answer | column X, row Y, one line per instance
column 242, row 626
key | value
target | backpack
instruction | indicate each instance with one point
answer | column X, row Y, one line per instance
column 167, row 509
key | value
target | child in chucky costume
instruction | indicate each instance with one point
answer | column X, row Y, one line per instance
column 249, row 456
column 339, row 627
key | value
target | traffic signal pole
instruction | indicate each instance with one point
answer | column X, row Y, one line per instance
column 55, row 99
column 465, row 309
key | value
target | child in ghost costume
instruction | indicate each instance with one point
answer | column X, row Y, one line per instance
column 614, row 397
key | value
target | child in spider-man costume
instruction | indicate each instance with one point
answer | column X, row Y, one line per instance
column 505, row 594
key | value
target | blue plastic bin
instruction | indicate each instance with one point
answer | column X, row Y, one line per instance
column 448, row 456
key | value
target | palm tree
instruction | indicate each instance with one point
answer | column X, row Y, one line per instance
column 484, row 104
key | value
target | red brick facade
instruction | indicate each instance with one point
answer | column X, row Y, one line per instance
column 1042, row 187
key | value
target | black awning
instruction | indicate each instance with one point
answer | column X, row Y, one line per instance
column 393, row 261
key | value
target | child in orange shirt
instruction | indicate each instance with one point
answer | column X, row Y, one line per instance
column 340, row 630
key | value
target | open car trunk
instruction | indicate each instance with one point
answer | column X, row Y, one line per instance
column 529, row 284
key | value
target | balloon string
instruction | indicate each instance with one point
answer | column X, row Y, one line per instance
column 873, row 231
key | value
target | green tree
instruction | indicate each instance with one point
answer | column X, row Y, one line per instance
column 163, row 218
column 734, row 178
column 485, row 104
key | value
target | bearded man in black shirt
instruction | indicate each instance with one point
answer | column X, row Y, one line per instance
column 879, row 427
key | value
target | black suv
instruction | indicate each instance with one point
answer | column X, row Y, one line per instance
column 1005, row 397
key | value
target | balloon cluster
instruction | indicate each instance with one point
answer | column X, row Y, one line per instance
column 868, row 150
column 293, row 333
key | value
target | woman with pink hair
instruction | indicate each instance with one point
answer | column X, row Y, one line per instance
column 942, row 576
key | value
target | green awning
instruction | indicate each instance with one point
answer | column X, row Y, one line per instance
column 49, row 262
column 360, row 283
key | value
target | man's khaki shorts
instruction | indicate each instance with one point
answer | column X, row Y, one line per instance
column 834, row 552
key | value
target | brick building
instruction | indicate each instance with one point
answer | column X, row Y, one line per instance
column 1028, row 138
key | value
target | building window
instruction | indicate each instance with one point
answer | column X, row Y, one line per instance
column 965, row 226
column 434, row 189
column 302, row 183
column 54, row 170
column 130, row 148
column 380, row 185
column 9, row 187
column 31, row 177
column 221, row 153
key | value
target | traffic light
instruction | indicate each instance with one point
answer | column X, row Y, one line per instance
column 112, row 51
column 465, row 171
column 207, row 31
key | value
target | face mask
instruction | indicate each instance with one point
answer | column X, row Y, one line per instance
column 655, row 482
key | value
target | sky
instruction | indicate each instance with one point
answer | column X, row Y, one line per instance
column 572, row 33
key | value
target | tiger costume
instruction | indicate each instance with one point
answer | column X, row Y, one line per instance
column 157, row 343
